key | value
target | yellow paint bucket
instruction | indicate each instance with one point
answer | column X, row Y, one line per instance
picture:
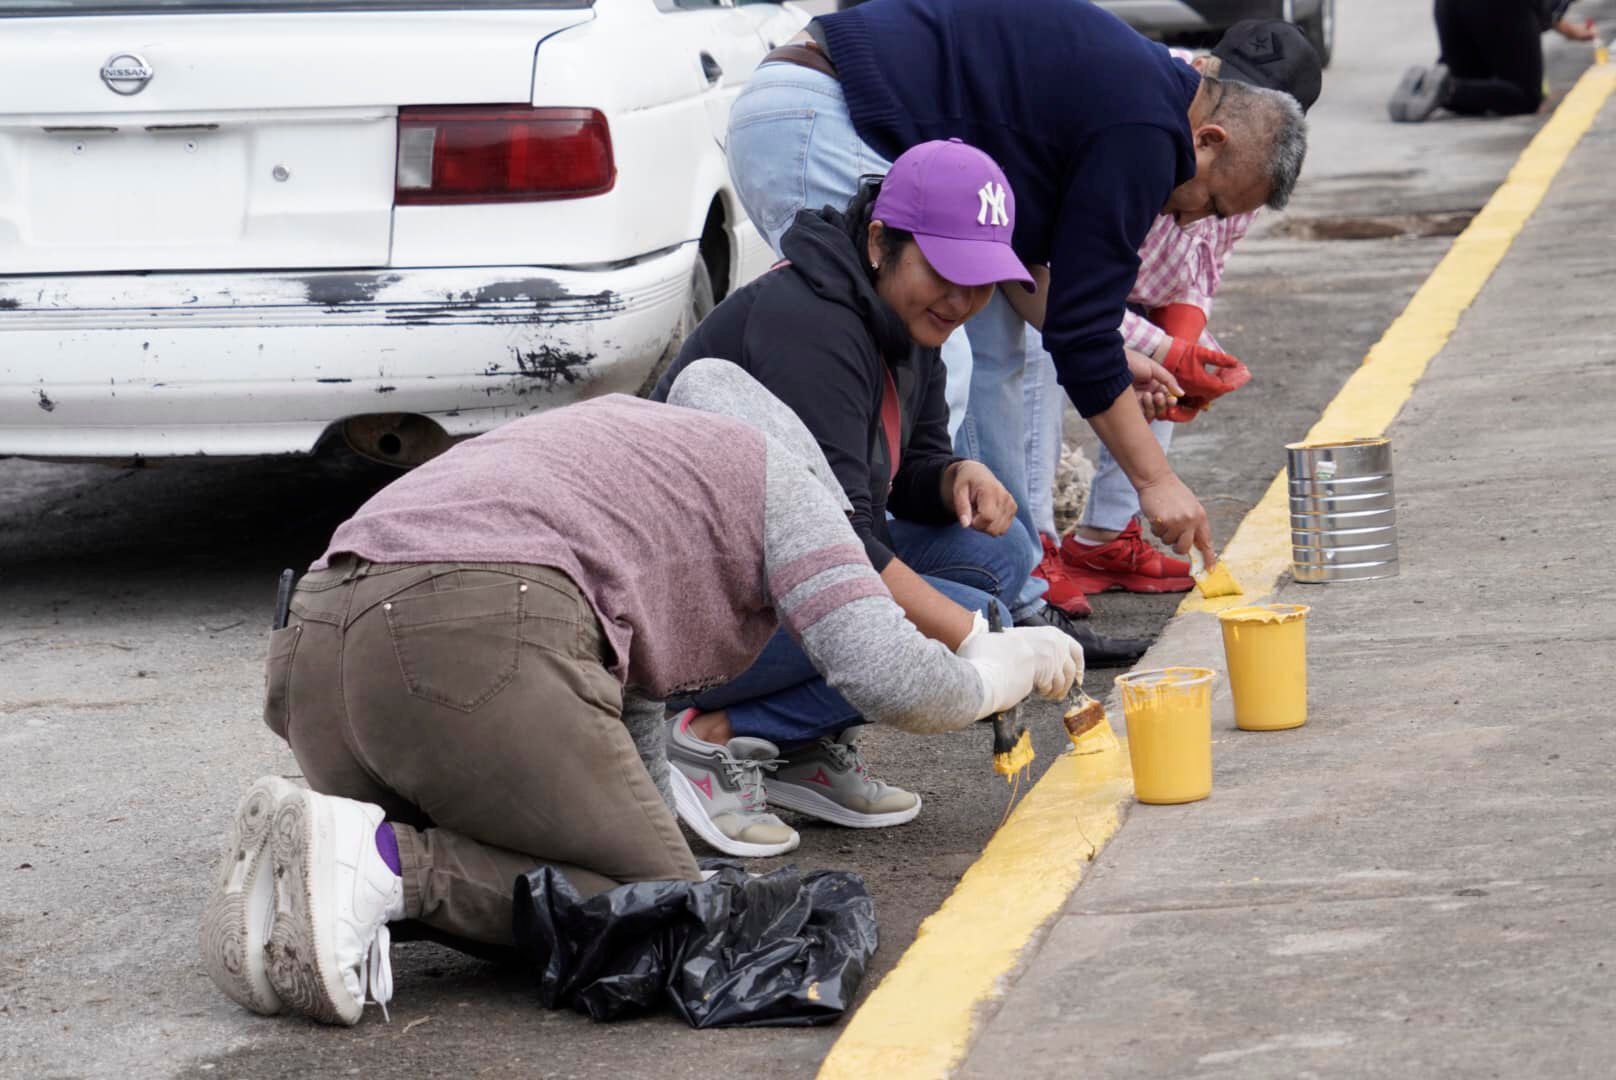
column 1169, row 713
column 1266, row 647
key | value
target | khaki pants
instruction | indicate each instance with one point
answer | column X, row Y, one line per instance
column 473, row 704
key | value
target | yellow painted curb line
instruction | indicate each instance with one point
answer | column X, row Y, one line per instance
column 920, row 1020
column 1260, row 551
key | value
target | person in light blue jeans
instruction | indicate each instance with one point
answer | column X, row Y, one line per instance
column 1112, row 501
column 792, row 146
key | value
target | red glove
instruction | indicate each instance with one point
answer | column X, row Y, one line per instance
column 1205, row 374
column 1183, row 321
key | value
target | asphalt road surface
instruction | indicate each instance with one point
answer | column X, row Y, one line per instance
column 133, row 612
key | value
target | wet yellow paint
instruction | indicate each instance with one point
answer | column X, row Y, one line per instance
column 1015, row 759
column 1098, row 739
column 1259, row 554
column 1265, row 646
column 1217, row 582
column 919, row 1022
column 1169, row 714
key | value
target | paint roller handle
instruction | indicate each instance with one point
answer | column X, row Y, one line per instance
column 1006, row 729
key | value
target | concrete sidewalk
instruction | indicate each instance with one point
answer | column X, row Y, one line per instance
column 1421, row 881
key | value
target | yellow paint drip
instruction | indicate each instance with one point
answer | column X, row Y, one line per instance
column 1018, row 757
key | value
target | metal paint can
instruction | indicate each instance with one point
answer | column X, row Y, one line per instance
column 1343, row 510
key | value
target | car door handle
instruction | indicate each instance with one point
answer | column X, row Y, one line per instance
column 710, row 67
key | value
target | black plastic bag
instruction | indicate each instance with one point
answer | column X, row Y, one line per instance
column 785, row 949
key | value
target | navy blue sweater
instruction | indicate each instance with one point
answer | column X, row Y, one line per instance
column 1088, row 119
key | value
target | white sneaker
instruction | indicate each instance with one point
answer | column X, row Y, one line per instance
column 718, row 791
column 334, row 897
column 236, row 922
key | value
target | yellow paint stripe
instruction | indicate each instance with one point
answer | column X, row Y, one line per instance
column 1259, row 553
column 919, row 1022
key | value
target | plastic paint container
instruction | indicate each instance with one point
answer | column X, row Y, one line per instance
column 1169, row 713
column 1266, row 648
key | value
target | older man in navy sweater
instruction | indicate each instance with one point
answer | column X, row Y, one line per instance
column 1098, row 131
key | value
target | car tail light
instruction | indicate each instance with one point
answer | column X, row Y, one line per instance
column 481, row 154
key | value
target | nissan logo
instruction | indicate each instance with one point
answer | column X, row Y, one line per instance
column 126, row 74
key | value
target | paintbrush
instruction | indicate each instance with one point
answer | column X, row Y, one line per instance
column 1213, row 581
column 1012, row 746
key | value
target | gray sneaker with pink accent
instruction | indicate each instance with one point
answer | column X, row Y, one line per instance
column 718, row 792
column 828, row 780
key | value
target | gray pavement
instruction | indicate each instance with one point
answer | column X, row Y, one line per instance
column 132, row 612
column 1421, row 881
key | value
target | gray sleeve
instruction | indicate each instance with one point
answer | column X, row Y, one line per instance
column 820, row 580
column 831, row 599
column 647, row 726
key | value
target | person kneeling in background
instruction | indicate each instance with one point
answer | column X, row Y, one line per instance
column 1492, row 59
column 473, row 674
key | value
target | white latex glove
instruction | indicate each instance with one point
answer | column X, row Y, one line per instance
column 1004, row 662
column 1057, row 659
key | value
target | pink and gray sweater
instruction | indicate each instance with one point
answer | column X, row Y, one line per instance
column 693, row 528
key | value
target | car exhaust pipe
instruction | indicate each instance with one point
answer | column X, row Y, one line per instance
column 404, row 440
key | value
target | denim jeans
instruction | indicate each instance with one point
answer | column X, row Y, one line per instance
column 1112, row 501
column 782, row 698
column 792, row 146
column 994, row 427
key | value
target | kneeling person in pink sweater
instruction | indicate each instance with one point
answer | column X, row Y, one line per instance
column 472, row 675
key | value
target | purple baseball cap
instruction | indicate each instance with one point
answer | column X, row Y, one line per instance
column 956, row 201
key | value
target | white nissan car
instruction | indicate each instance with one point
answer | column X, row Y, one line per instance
column 244, row 227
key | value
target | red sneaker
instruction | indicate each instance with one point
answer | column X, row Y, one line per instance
column 1129, row 563
column 1063, row 592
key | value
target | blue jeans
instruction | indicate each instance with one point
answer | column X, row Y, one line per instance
column 792, row 146
column 1112, row 501
column 1044, row 403
column 782, row 698
column 994, row 430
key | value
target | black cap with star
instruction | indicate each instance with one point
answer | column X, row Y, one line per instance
column 1271, row 53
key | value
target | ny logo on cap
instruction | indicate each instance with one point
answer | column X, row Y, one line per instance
column 992, row 196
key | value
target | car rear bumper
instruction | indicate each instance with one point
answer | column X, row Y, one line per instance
column 153, row 365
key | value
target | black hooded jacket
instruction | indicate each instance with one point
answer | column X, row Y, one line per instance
column 817, row 335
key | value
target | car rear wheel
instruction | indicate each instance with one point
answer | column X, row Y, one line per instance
column 1320, row 30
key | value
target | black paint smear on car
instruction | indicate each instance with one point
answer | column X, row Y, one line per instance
column 333, row 290
column 538, row 290
column 8, row 303
column 385, row 389
column 550, row 365
column 45, row 402
column 333, row 380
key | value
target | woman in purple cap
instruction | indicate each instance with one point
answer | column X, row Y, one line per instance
column 847, row 332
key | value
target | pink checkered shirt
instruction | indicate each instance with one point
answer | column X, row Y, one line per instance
column 1180, row 266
